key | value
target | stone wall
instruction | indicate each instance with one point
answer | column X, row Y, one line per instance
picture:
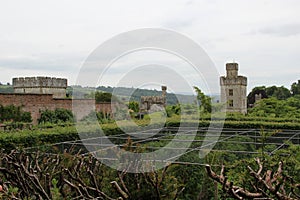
column 41, row 85
column 148, row 101
column 35, row 103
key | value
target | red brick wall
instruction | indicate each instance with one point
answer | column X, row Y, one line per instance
column 34, row 103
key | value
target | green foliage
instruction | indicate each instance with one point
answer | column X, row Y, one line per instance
column 55, row 193
column 173, row 110
column 204, row 101
column 136, row 93
column 6, row 89
column 166, row 182
column 273, row 107
column 134, row 105
column 36, row 136
column 14, row 113
column 255, row 91
column 102, row 117
column 295, row 88
column 58, row 115
column 278, row 92
column 102, row 97
column 238, row 172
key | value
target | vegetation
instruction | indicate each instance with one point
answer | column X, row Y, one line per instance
column 102, row 97
column 34, row 175
column 271, row 176
column 280, row 93
column 134, row 106
column 40, row 175
column 295, row 88
column 59, row 115
column 103, row 118
column 204, row 101
column 6, row 88
column 12, row 113
column 272, row 107
column 136, row 94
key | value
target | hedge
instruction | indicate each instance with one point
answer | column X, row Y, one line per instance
column 56, row 134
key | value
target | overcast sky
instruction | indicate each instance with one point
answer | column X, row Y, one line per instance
column 53, row 38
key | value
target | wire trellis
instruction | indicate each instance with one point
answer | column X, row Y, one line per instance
column 241, row 142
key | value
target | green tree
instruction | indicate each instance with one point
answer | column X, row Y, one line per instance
column 278, row 92
column 134, row 105
column 101, row 97
column 14, row 113
column 273, row 107
column 205, row 101
column 295, row 88
column 173, row 110
column 255, row 91
column 56, row 116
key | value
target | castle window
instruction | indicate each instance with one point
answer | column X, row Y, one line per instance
column 230, row 103
column 230, row 92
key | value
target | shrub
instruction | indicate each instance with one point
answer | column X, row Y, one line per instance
column 56, row 116
column 14, row 113
column 101, row 116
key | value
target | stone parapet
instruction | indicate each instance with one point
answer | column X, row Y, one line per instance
column 33, row 82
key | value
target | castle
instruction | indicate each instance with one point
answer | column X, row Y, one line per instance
column 234, row 90
column 36, row 94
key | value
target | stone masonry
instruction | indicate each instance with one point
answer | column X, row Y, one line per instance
column 41, row 85
column 36, row 94
column 234, row 90
column 154, row 102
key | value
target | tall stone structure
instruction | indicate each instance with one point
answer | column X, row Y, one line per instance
column 154, row 103
column 234, row 90
column 41, row 85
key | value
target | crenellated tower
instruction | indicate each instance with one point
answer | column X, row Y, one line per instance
column 234, row 89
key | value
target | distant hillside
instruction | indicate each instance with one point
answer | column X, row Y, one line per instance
column 123, row 92
column 136, row 93
column 6, row 89
column 133, row 93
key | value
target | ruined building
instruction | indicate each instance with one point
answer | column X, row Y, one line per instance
column 234, row 90
column 154, row 103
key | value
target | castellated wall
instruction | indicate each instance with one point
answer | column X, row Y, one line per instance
column 35, row 103
column 41, row 85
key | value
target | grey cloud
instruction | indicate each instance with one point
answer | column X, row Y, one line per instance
column 281, row 30
column 44, row 63
column 179, row 23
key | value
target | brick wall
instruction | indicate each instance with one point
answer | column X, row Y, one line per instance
column 34, row 103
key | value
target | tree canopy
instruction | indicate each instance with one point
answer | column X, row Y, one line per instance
column 295, row 88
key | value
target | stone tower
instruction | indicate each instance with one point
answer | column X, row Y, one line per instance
column 234, row 89
column 164, row 94
column 41, row 85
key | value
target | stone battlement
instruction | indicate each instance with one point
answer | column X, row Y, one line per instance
column 44, row 82
column 239, row 80
column 41, row 85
